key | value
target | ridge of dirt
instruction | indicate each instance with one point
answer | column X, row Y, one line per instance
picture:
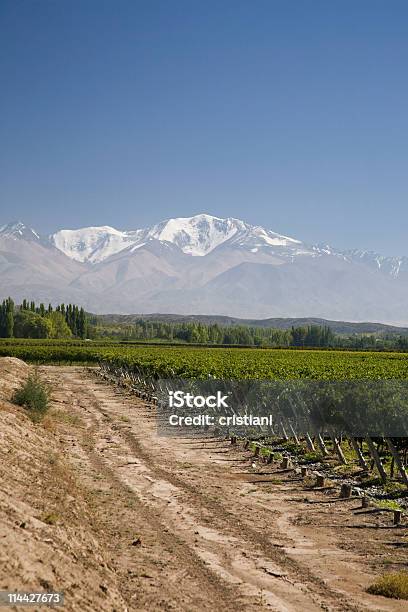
column 12, row 372
column 46, row 540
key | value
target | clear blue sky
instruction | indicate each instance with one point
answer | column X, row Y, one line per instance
column 288, row 114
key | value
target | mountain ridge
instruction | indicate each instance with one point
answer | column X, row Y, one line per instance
column 196, row 236
column 93, row 238
column 340, row 327
column 202, row 264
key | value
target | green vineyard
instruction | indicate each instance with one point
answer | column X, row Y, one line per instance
column 201, row 362
column 140, row 365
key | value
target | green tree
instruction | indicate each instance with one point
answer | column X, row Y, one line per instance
column 7, row 318
column 28, row 324
column 60, row 327
column 82, row 324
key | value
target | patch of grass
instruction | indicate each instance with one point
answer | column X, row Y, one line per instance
column 391, row 585
column 347, row 470
column 389, row 504
column 349, row 452
column 65, row 417
column 34, row 396
column 292, row 447
column 391, row 487
column 50, row 519
column 394, row 487
column 373, row 481
column 389, row 561
column 311, row 457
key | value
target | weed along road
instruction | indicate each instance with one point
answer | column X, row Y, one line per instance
column 200, row 524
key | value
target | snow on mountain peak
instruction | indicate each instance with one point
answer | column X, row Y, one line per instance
column 196, row 236
column 18, row 230
column 93, row 244
column 273, row 239
column 201, row 234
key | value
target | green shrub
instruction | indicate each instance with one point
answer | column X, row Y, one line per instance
column 391, row 585
column 34, row 396
column 31, row 325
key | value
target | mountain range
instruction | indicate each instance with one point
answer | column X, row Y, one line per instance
column 202, row 265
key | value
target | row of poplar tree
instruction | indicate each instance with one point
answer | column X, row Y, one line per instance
column 201, row 333
column 35, row 321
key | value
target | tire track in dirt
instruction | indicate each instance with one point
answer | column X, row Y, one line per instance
column 283, row 567
column 219, row 565
column 159, row 548
column 187, row 562
column 227, row 544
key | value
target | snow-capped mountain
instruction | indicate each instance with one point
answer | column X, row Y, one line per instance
column 18, row 231
column 93, row 244
column 201, row 265
column 196, row 236
column 201, row 234
column 395, row 266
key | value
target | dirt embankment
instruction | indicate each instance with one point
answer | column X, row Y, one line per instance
column 46, row 534
column 95, row 503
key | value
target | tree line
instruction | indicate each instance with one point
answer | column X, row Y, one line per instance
column 30, row 320
column 308, row 336
column 201, row 333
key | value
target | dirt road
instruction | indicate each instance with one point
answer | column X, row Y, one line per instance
column 196, row 525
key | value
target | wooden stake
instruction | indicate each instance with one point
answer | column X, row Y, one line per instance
column 376, row 457
column 285, row 463
column 397, row 517
column 338, row 450
column 293, row 433
column 309, row 443
column 322, row 445
column 285, row 435
column 397, row 460
column 345, row 491
column 319, row 480
column 365, row 502
column 358, row 452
